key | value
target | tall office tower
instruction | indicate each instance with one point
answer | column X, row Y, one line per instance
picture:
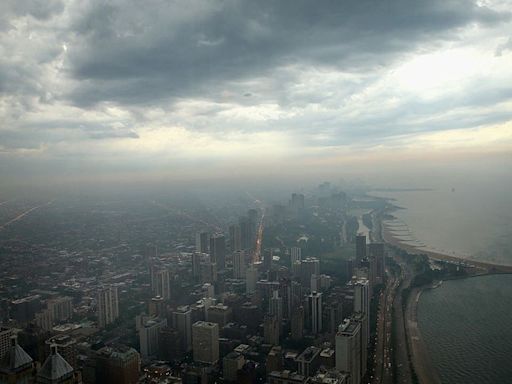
column 208, row 290
column 208, row 272
column 197, row 260
column 56, row 370
column 309, row 266
column 274, row 361
column 23, row 310
column 362, row 319
column 297, row 203
column 308, row 361
column 297, row 323
column 107, row 305
column 162, row 283
column 66, row 346
column 348, row 349
column 267, row 260
column 245, row 233
column 239, row 265
column 16, row 366
column 62, row 308
column 296, row 295
column 170, row 346
column 297, row 269
column 202, row 240
column 182, row 321
column 231, row 364
column 149, row 335
column 251, row 278
column 360, row 249
column 362, row 304
column 220, row 314
column 235, row 238
column 334, row 316
column 271, row 330
column 117, row 364
column 5, row 340
column 218, row 251
column 275, row 307
column 316, row 281
column 315, row 312
column 377, row 254
column 156, row 307
column 295, row 255
column 205, row 340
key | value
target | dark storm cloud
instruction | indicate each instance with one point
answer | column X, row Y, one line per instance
column 133, row 54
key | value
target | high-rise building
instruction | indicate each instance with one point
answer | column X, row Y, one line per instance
column 308, row 361
column 271, row 330
column 16, row 366
column 202, row 240
column 267, row 260
column 251, row 278
column 24, row 310
column 219, row 314
column 377, row 254
column 171, row 345
column 5, row 340
column 208, row 272
column 275, row 307
column 218, row 251
column 245, row 233
column 116, row 364
column 239, row 265
column 360, row 249
column 308, row 267
column 274, row 360
column 205, row 340
column 315, row 312
column 295, row 255
column 66, row 346
column 107, row 305
column 231, row 363
column 348, row 349
column 61, row 307
column 149, row 335
column 362, row 305
column 235, row 238
column 182, row 321
column 297, row 323
column 56, row 370
column 162, row 284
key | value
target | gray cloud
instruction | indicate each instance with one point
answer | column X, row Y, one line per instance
column 130, row 55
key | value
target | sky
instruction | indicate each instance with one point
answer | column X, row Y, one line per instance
column 112, row 90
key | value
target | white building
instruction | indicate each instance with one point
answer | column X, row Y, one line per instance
column 107, row 305
column 149, row 336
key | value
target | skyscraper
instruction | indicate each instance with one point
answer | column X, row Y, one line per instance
column 251, row 278
column 218, row 251
column 182, row 321
column 271, row 330
column 107, row 305
column 360, row 249
column 235, row 241
column 149, row 335
column 276, row 306
column 295, row 255
column 239, row 265
column 162, row 284
column 315, row 312
column 202, row 240
column 348, row 349
column 16, row 366
column 205, row 340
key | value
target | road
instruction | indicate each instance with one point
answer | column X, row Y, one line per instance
column 383, row 350
column 23, row 214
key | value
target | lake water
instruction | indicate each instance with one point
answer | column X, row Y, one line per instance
column 465, row 323
column 466, row 327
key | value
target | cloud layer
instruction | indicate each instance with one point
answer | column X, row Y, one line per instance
column 126, row 86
